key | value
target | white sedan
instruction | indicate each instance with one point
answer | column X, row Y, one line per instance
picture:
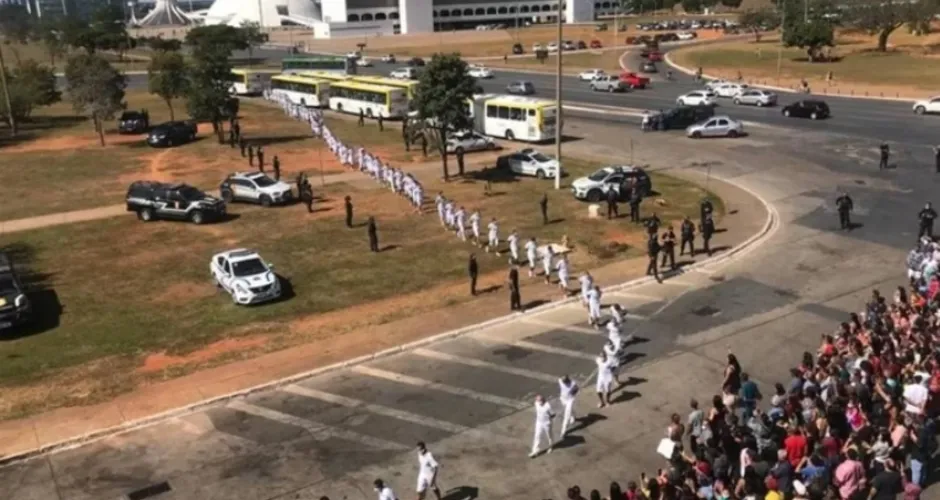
column 931, row 105
column 591, row 74
column 480, row 72
column 247, row 278
column 697, row 98
column 466, row 140
column 388, row 58
column 729, row 89
column 529, row 162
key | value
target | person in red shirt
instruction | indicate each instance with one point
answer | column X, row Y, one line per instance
column 795, row 444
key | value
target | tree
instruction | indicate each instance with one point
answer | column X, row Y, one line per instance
column 220, row 37
column 692, row 5
column 161, row 45
column 95, row 88
column 207, row 92
column 811, row 36
column 30, row 85
column 50, row 34
column 441, row 98
column 16, row 26
column 167, row 77
column 883, row 17
column 253, row 37
column 758, row 20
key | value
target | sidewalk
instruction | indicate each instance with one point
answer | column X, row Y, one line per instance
column 745, row 216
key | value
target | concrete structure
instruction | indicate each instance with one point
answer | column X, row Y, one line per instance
column 339, row 18
column 165, row 13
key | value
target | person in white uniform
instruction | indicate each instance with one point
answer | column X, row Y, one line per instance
column 613, row 334
column 459, row 220
column 492, row 236
column 385, row 493
column 547, row 257
column 568, row 390
column 543, row 426
column 617, row 314
column 562, row 268
column 475, row 227
column 587, row 283
column 427, row 472
column 594, row 307
column 513, row 240
column 531, row 253
column 612, row 351
column 449, row 214
column 605, row 380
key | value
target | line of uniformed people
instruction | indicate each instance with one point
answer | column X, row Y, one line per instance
column 665, row 244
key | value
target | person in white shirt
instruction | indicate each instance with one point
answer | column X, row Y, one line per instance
column 605, row 380
column 513, row 240
column 385, row 493
column 427, row 472
column 613, row 334
column 531, row 253
column 587, row 283
column 543, row 426
column 562, row 268
column 459, row 219
column 594, row 306
column 568, row 391
column 493, row 236
column 547, row 258
column 617, row 314
column 612, row 350
column 915, row 396
column 449, row 214
column 475, row 226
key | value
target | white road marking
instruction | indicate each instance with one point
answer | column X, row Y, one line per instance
column 558, row 326
column 457, row 391
column 440, row 356
column 373, row 408
column 319, row 431
column 678, row 282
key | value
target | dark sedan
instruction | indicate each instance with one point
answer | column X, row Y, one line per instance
column 814, row 110
column 133, row 122
column 14, row 305
column 171, row 134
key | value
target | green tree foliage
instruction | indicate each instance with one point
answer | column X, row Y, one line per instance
column 441, row 98
column 95, row 88
column 161, row 45
column 254, row 37
column 218, row 38
column 167, row 77
column 811, row 36
column 49, row 32
column 883, row 17
column 734, row 4
column 756, row 21
column 208, row 90
column 31, row 85
column 16, row 26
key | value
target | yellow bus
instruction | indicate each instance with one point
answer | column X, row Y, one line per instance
column 371, row 100
column 324, row 75
column 302, row 90
column 410, row 86
column 515, row 118
column 246, row 81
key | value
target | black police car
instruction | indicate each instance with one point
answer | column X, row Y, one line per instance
column 14, row 305
column 171, row 134
column 681, row 117
column 517, row 49
column 812, row 109
column 158, row 200
column 133, row 122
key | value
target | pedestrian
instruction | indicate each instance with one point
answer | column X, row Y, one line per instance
column 531, row 254
column 543, row 203
column 885, row 153
column 695, row 421
column 669, row 248
column 242, row 145
column 612, row 351
column 405, row 134
column 513, row 241
column 300, row 181
column 515, row 297
column 381, row 123
column 594, row 307
column 605, row 380
column 424, row 146
column 844, row 205
column 385, row 493
column 347, row 201
column 473, row 271
column 492, row 236
column 460, row 154
column 427, row 472
column 362, row 118
column 237, row 128
column 587, row 284
column 687, row 233
column 635, row 199
column 231, row 138
column 612, row 204
column 568, row 391
column 708, row 229
column 276, row 165
column 705, row 208
column 260, row 155
column 652, row 250
column 926, row 216
column 373, row 236
column 306, row 196
column 543, row 426
column 562, row 268
column 547, row 258
column 936, row 158
column 251, row 156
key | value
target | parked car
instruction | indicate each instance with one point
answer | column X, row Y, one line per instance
column 681, row 117
column 586, row 76
column 756, row 97
column 729, row 89
column 654, row 56
column 634, row 81
column 245, row 276
column 15, row 308
column 812, row 109
column 157, row 200
column 255, row 187
column 481, row 72
column 568, row 45
column 582, row 45
column 716, row 126
column 530, row 162
column 608, row 83
column 409, row 73
column 552, row 47
column 521, row 88
column 648, row 67
column 517, row 49
column 171, row 134
column 686, row 35
column 416, row 62
column 697, row 98
column 596, row 44
column 931, row 105
column 594, row 187
column 469, row 140
column 389, row 58
column 133, row 122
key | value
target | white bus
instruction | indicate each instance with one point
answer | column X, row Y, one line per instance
column 515, row 118
column 372, row 100
column 246, row 82
column 302, row 90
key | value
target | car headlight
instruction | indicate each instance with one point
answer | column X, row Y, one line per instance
column 21, row 301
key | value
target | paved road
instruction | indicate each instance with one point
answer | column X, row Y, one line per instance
column 468, row 398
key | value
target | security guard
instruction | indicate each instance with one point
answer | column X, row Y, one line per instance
column 705, row 209
column 635, row 199
column 349, row 210
column 687, row 230
column 543, row 206
column 885, row 154
column 926, row 216
column 260, row 154
column 669, row 248
column 652, row 225
column 515, row 299
column 300, row 181
column 373, row 236
column 276, row 164
column 708, row 229
column 251, row 156
column 653, row 248
column 612, row 204
column 460, row 160
column 306, row 196
column 242, row 145
column 844, row 205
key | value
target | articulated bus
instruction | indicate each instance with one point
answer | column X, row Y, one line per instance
column 340, row 65
column 372, row 100
column 515, row 118
column 302, row 90
column 409, row 85
column 246, row 82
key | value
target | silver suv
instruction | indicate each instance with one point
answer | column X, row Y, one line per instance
column 608, row 83
column 521, row 88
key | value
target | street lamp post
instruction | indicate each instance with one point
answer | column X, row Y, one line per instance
column 560, row 115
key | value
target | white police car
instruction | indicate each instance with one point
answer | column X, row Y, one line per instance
column 255, row 187
column 594, row 187
column 245, row 276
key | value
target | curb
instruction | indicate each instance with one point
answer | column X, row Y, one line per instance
column 769, row 225
column 690, row 71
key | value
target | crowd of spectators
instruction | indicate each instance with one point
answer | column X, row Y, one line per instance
column 856, row 420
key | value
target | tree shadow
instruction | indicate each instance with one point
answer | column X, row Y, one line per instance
column 33, row 128
column 46, row 307
column 491, row 174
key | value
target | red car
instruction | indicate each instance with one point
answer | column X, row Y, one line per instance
column 654, row 56
column 596, row 44
column 633, row 80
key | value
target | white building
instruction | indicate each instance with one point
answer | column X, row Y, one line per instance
column 343, row 18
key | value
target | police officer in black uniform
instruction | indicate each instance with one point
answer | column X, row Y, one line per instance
column 260, row 155
column 362, row 118
column 705, row 209
column 231, row 138
column 237, row 128
column 635, row 199
column 885, row 154
column 306, row 196
column 687, row 230
column 373, row 235
column 251, row 156
column 612, row 204
column 936, row 157
column 708, row 229
column 242, row 145
column 349, row 210
column 460, row 164
column 515, row 299
column 406, row 134
column 926, row 216
column 652, row 225
column 276, row 165
column 844, row 205
column 669, row 248
column 473, row 270
column 424, row 146
column 652, row 249
column 300, row 181
column 543, row 206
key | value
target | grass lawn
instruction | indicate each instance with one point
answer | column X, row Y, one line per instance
column 912, row 62
column 12, row 53
column 121, row 290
